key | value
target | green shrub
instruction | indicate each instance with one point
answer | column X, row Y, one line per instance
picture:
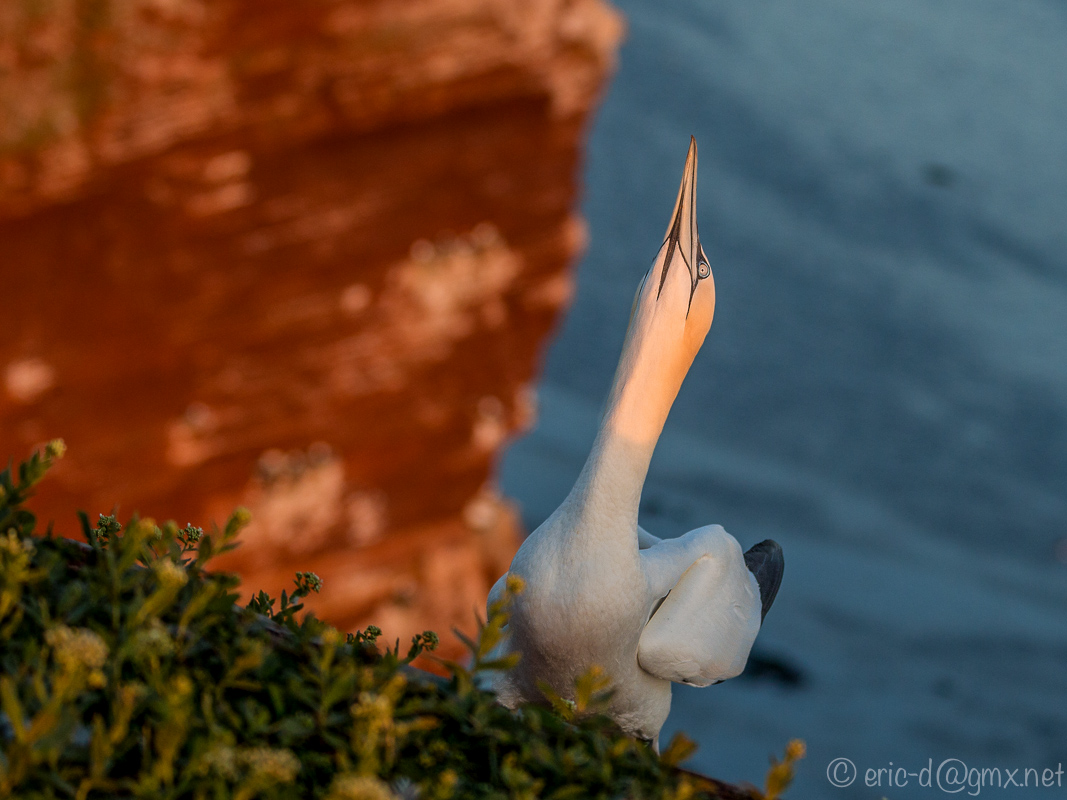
column 127, row 670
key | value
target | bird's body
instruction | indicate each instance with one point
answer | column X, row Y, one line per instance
column 599, row 590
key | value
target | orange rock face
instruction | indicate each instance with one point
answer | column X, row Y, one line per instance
column 298, row 256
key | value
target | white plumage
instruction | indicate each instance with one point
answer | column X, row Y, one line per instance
column 600, row 590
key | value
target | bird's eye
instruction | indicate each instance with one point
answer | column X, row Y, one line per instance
column 703, row 269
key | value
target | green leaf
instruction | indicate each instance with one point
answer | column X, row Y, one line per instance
column 680, row 748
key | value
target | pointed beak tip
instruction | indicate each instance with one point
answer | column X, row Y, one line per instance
column 681, row 230
column 690, row 172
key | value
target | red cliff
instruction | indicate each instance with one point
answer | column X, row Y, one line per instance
column 298, row 256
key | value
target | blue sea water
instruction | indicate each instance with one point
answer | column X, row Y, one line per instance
column 883, row 198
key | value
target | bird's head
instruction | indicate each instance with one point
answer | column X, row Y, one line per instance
column 675, row 301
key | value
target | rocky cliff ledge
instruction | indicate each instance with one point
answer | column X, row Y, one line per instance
column 298, row 256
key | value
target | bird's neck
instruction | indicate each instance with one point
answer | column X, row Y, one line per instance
column 648, row 378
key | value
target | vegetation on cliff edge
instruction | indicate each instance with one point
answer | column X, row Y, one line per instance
column 128, row 670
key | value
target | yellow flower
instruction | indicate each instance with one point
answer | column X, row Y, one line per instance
column 75, row 648
column 222, row 760
column 153, row 641
column 515, row 584
column 14, row 546
column 375, row 708
column 359, row 787
column 275, row 765
column 170, row 575
column 183, row 685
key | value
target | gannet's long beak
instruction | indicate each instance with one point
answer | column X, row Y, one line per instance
column 682, row 240
column 766, row 562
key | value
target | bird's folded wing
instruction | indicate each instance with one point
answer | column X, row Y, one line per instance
column 704, row 629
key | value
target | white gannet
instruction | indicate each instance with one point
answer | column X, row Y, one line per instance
column 599, row 589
